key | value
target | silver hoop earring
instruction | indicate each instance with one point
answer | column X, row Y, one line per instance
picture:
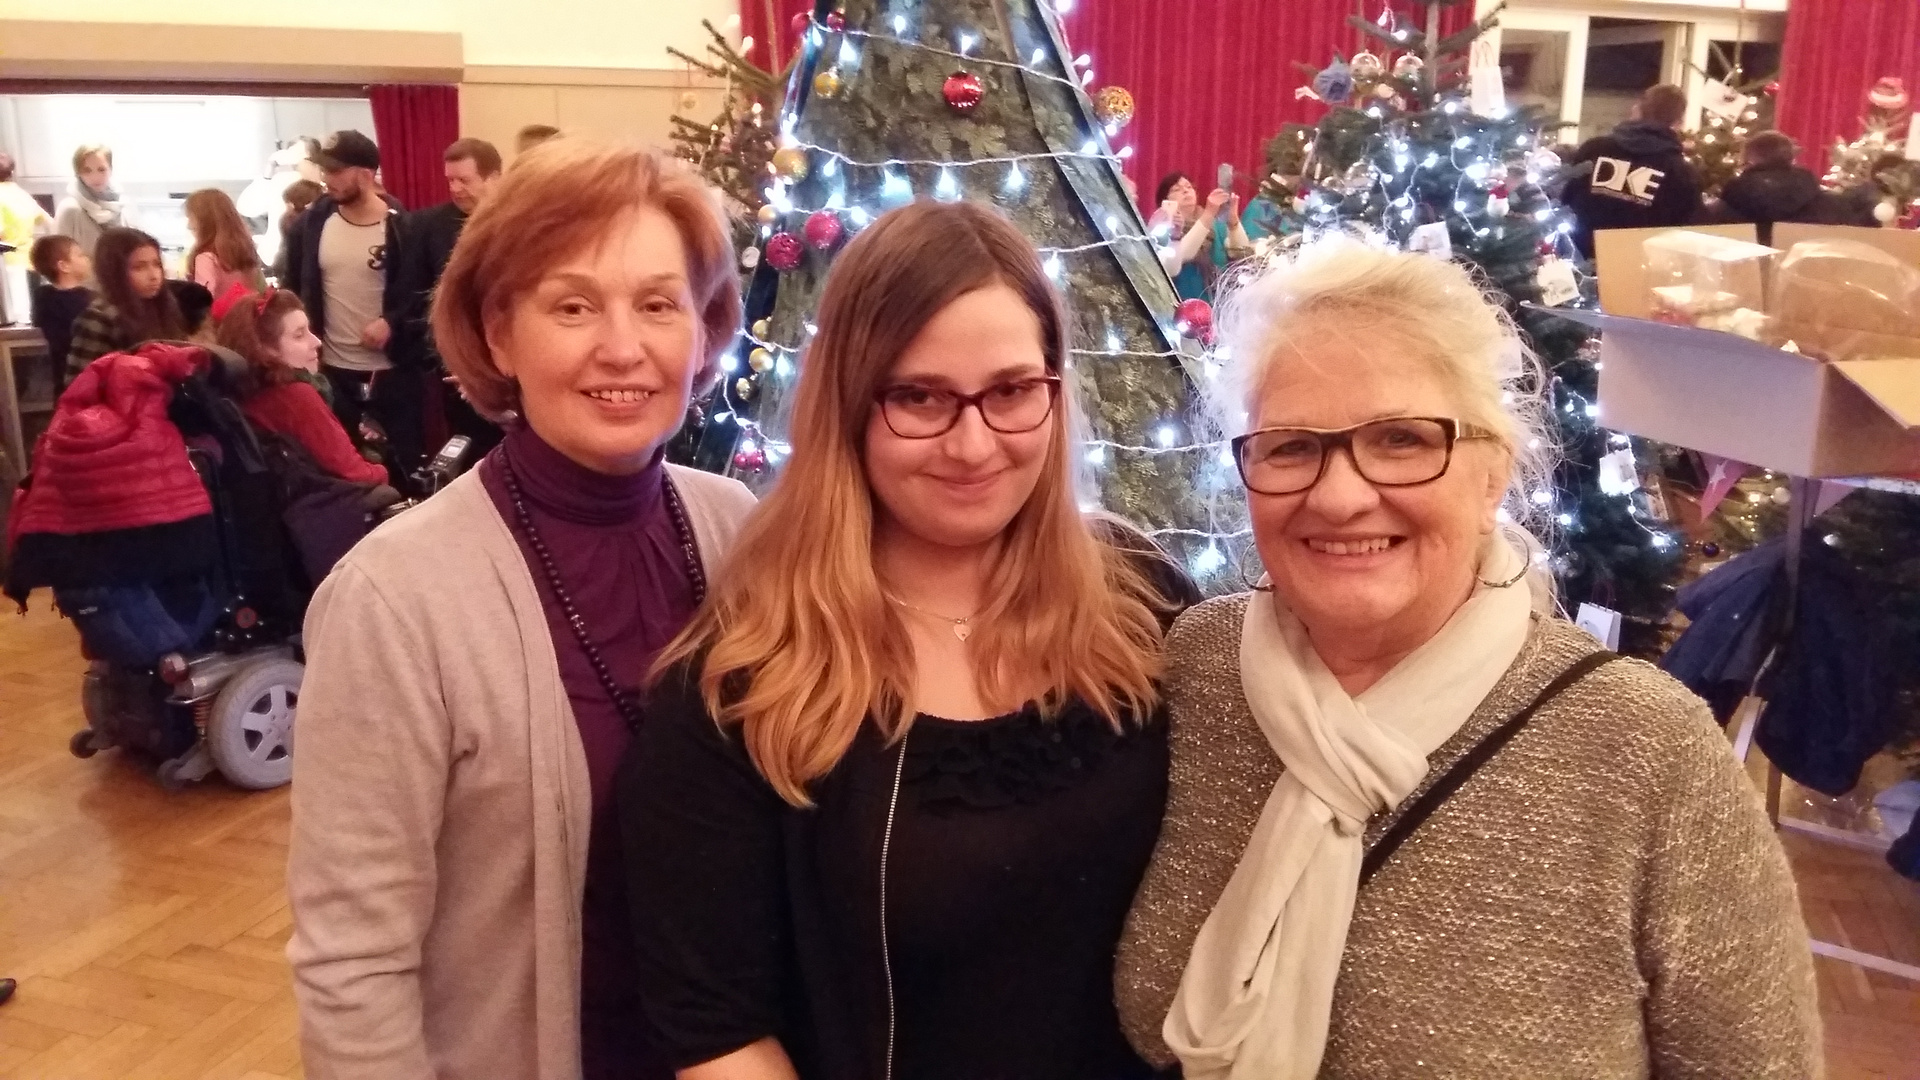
column 1261, row 584
column 1526, row 564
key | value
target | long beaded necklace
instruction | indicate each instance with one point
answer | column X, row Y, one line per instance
column 628, row 703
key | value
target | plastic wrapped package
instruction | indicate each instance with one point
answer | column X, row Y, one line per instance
column 1845, row 300
column 1698, row 279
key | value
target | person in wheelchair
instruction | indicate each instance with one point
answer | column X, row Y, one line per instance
column 271, row 332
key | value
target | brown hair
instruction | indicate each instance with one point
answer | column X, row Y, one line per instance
column 6, row 166
column 158, row 319
column 1664, row 104
column 217, row 227
column 479, row 151
column 533, row 135
column 1770, row 148
column 299, row 195
column 49, row 252
column 251, row 322
column 81, row 154
column 797, row 644
column 553, row 204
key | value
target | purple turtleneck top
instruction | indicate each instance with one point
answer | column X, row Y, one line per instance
column 619, row 556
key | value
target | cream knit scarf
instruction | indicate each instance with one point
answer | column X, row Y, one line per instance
column 1256, row 999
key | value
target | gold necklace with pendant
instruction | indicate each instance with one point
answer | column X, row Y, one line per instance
column 962, row 628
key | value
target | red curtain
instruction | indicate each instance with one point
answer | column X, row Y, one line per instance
column 1212, row 82
column 1835, row 50
column 414, row 125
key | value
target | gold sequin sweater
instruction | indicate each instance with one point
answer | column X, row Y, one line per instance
column 1605, row 898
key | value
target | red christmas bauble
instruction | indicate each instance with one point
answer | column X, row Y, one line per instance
column 836, row 22
column 1196, row 316
column 1771, row 88
column 750, row 460
column 784, row 251
column 799, row 23
column 1548, row 247
column 823, row 229
column 964, row 90
column 1499, row 190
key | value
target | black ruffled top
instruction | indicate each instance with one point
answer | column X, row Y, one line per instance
column 1011, row 760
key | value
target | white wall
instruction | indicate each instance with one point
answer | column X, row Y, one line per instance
column 530, row 33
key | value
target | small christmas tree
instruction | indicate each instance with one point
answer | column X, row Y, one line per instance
column 983, row 100
column 1876, row 161
column 1402, row 153
column 733, row 150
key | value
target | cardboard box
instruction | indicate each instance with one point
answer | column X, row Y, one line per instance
column 1747, row 400
column 1623, row 285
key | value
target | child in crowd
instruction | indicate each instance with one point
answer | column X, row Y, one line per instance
column 223, row 254
column 59, row 300
column 270, row 330
column 134, row 304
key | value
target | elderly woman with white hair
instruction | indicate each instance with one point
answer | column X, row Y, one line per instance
column 1419, row 824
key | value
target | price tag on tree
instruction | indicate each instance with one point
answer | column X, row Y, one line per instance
column 1487, row 88
column 1557, row 283
column 1618, row 473
column 1431, row 238
column 1602, row 623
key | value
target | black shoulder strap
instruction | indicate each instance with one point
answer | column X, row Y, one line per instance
column 1470, row 763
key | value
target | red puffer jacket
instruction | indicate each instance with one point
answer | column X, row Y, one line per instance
column 111, row 459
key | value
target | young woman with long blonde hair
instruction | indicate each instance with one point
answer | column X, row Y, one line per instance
column 899, row 779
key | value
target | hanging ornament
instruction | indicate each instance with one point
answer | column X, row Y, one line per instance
column 790, row 162
column 767, row 214
column 689, row 101
column 760, row 360
column 799, row 23
column 1408, row 66
column 1113, row 105
column 836, row 21
column 1334, row 83
column 784, row 251
column 1366, row 66
column 762, row 327
column 823, row 229
column 1547, row 247
column 1771, row 88
column 1195, row 317
column 1497, row 204
column 827, row 83
column 963, row 90
column 749, row 258
column 1543, row 161
column 750, row 460
column 1885, row 211
column 1889, row 94
column 743, row 388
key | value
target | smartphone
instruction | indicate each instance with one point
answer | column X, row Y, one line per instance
column 1224, row 179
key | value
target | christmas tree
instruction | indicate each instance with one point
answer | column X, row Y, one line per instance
column 1402, row 153
column 983, row 100
column 1739, row 107
column 734, row 150
column 1876, row 163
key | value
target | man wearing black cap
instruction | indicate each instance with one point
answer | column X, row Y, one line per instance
column 338, row 253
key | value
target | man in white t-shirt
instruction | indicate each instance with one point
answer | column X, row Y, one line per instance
column 337, row 259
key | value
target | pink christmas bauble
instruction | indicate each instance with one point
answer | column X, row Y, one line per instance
column 784, row 251
column 1197, row 316
column 799, row 23
column 823, row 229
column 836, row 22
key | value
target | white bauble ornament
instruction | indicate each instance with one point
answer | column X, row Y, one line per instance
column 1885, row 212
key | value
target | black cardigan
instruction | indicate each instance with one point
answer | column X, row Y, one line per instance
column 744, row 939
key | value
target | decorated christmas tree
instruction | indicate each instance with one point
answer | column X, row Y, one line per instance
column 1403, row 153
column 1736, row 107
column 733, row 150
column 1876, row 162
column 982, row 100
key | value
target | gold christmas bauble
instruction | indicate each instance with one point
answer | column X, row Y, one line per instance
column 761, row 328
column 743, row 388
column 689, row 101
column 1113, row 105
column 827, row 83
column 760, row 360
column 767, row 214
column 790, row 162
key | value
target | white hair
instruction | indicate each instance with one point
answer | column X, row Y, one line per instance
column 1368, row 295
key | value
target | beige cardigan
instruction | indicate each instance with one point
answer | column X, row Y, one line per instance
column 1603, row 899
column 441, row 804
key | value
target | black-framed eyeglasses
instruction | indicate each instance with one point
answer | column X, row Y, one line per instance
column 1399, row 451
column 1013, row 407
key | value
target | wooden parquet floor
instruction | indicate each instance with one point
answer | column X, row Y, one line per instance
column 147, row 928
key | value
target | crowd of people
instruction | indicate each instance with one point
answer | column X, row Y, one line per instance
column 915, row 768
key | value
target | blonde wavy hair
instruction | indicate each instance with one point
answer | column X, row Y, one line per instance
column 797, row 645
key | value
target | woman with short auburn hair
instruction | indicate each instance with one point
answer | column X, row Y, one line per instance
column 474, row 668
column 904, row 770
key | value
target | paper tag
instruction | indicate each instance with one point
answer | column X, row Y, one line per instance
column 1431, row 238
column 1619, row 474
column 1913, row 137
column 1602, row 623
column 1722, row 100
column 1557, row 282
